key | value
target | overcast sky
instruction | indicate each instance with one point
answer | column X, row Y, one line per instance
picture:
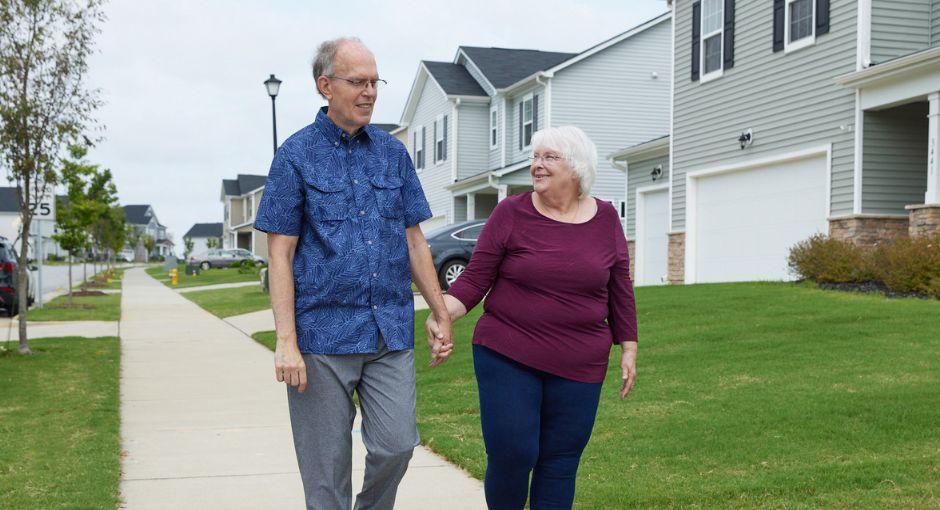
column 182, row 80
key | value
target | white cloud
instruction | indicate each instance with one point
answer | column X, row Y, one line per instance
column 183, row 80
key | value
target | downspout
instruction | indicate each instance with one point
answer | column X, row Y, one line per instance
column 547, row 84
column 453, row 166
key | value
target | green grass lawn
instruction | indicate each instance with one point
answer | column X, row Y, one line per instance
column 210, row 277
column 106, row 307
column 228, row 302
column 748, row 396
column 59, row 415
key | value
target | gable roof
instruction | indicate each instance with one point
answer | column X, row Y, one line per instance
column 454, row 79
column 9, row 199
column 243, row 184
column 137, row 214
column 204, row 230
column 504, row 66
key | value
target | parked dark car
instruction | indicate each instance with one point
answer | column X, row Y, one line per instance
column 8, row 279
column 222, row 258
column 451, row 247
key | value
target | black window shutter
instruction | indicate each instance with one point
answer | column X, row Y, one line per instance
column 822, row 17
column 444, row 155
column 415, row 138
column 696, row 38
column 779, row 20
column 535, row 113
column 424, row 135
column 521, row 108
column 729, row 35
column 434, row 141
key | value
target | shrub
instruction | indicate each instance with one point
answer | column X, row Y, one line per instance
column 246, row 266
column 826, row 260
column 909, row 265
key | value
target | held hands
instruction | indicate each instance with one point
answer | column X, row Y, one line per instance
column 628, row 368
column 439, row 339
column 289, row 366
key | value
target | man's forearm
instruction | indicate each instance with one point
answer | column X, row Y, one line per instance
column 281, row 287
column 425, row 278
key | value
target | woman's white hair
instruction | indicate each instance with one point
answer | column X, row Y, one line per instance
column 575, row 147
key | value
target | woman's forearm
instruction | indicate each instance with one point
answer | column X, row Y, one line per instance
column 455, row 308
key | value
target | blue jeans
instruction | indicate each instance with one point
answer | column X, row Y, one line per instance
column 533, row 423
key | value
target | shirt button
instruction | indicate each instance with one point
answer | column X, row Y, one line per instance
column 375, row 307
column 362, row 213
column 375, row 275
column 355, row 181
column 335, row 143
column 369, row 242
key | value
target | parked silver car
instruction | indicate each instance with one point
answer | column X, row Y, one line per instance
column 223, row 258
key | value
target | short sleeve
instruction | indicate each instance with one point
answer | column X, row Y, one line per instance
column 415, row 204
column 281, row 209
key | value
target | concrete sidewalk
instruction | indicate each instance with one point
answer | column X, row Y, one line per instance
column 205, row 425
column 53, row 329
column 218, row 286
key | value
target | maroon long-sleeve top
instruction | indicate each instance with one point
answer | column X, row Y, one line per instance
column 560, row 294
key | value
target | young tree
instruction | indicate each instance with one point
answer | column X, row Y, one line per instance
column 114, row 234
column 149, row 243
column 44, row 105
column 188, row 247
column 212, row 243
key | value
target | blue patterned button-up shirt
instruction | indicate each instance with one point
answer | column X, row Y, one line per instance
column 349, row 200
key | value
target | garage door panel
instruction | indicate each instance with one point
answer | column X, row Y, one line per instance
column 747, row 221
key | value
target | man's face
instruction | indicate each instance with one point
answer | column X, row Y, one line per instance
column 350, row 107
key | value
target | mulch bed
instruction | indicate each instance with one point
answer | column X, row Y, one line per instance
column 873, row 288
column 83, row 293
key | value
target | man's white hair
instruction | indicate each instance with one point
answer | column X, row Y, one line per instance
column 575, row 147
column 322, row 63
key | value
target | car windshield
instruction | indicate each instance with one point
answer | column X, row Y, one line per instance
column 5, row 254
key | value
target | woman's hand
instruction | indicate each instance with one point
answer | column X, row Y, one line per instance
column 439, row 339
column 627, row 368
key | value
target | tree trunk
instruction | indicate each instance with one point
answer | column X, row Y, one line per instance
column 70, row 279
column 22, row 281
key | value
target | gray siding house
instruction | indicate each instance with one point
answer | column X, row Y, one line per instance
column 485, row 105
column 789, row 117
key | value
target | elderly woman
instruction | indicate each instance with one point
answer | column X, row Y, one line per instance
column 554, row 263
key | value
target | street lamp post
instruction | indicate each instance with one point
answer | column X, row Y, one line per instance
column 273, row 85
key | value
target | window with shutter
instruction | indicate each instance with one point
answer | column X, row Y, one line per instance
column 494, row 120
column 439, row 132
column 798, row 22
column 712, row 31
column 419, row 147
column 528, row 116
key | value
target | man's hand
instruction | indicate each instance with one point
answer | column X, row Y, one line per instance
column 628, row 368
column 289, row 366
column 439, row 339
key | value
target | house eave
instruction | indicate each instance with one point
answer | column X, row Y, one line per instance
column 890, row 69
column 655, row 147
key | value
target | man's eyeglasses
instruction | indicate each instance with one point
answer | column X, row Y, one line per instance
column 361, row 84
column 547, row 158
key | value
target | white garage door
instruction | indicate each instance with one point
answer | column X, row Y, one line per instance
column 746, row 221
column 652, row 243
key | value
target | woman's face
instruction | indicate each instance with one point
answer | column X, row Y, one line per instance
column 551, row 172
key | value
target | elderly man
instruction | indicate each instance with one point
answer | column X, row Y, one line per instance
column 341, row 208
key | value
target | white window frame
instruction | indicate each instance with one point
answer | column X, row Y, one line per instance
column 494, row 130
column 704, row 76
column 801, row 43
column 528, row 98
column 439, row 139
column 418, row 148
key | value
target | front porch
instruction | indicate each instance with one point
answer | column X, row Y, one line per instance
column 475, row 198
column 897, row 188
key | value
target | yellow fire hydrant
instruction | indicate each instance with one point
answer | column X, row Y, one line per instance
column 174, row 276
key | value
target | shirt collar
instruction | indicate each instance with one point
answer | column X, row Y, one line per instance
column 333, row 132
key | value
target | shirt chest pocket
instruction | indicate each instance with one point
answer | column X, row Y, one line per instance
column 388, row 197
column 327, row 198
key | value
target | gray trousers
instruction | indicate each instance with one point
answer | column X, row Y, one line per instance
column 322, row 421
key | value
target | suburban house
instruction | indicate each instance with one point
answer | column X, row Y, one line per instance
column 240, row 198
column 143, row 221
column 11, row 224
column 200, row 233
column 470, row 121
column 789, row 118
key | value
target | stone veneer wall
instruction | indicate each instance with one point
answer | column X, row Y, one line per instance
column 868, row 231
column 924, row 220
column 676, row 258
column 631, row 249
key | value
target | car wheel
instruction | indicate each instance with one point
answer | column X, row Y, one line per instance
column 450, row 271
column 205, row 266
